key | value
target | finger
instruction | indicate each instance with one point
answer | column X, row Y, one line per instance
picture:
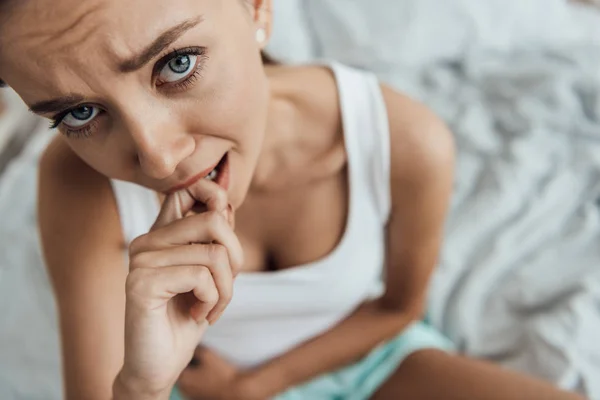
column 208, row 227
column 209, row 193
column 153, row 287
column 215, row 257
column 172, row 208
column 178, row 204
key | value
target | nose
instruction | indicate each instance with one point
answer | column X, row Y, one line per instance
column 160, row 146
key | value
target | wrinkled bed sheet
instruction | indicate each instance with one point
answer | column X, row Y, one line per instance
column 519, row 278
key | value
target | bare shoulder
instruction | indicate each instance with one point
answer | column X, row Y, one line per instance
column 422, row 146
column 76, row 209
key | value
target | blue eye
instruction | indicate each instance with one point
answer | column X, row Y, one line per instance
column 80, row 116
column 180, row 65
column 178, row 68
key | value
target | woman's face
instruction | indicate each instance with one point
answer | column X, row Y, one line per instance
column 148, row 91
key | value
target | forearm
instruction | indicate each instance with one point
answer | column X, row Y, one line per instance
column 352, row 339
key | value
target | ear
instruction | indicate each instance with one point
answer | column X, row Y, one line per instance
column 263, row 20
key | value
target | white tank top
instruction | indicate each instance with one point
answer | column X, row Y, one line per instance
column 272, row 312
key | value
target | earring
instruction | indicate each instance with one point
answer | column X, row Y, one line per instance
column 261, row 35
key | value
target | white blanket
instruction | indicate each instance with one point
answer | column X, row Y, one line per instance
column 519, row 279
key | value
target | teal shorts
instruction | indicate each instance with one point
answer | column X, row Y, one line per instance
column 361, row 380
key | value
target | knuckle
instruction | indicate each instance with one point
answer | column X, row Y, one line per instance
column 137, row 261
column 212, row 296
column 221, row 196
column 217, row 199
column 137, row 245
column 141, row 289
column 214, row 225
column 136, row 283
column 217, row 254
column 217, row 223
column 202, row 274
column 205, row 280
column 213, row 218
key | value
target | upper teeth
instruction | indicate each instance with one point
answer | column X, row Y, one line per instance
column 212, row 175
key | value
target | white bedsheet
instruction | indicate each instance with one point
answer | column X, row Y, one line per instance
column 519, row 279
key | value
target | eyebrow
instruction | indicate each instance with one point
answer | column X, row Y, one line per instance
column 163, row 41
column 56, row 105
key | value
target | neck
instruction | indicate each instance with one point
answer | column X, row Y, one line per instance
column 282, row 145
column 303, row 142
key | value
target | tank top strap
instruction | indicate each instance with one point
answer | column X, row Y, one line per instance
column 367, row 135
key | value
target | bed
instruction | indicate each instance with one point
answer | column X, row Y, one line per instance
column 519, row 277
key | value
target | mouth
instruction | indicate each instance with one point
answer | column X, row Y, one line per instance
column 218, row 173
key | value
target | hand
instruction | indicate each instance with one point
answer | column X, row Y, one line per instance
column 210, row 377
column 180, row 279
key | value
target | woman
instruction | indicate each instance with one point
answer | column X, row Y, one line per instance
column 184, row 161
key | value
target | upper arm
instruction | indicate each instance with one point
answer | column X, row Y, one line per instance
column 82, row 246
column 422, row 168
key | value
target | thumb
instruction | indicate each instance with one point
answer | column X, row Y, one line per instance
column 173, row 208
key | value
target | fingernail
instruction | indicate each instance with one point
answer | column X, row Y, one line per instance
column 213, row 318
column 218, row 316
column 210, row 318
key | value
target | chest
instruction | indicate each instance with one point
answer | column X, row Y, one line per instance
column 295, row 227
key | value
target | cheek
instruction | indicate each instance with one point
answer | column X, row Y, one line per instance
column 110, row 160
column 235, row 103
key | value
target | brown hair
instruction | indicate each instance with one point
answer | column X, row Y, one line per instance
column 3, row 5
column 267, row 59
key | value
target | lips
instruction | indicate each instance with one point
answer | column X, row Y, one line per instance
column 220, row 174
column 221, row 177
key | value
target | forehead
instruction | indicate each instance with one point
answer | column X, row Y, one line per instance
column 50, row 37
